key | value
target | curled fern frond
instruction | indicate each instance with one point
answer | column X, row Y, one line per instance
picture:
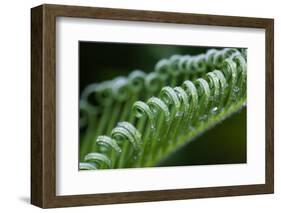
column 183, row 63
column 141, row 109
column 133, row 131
column 153, row 83
column 136, row 81
column 218, row 58
column 191, row 90
column 174, row 65
column 120, row 134
column 210, row 58
column 242, row 70
column 156, row 105
column 84, row 112
column 101, row 160
column 163, row 68
column 230, row 70
column 101, row 92
column 107, row 143
column 169, row 96
column 223, row 86
column 120, row 89
column 184, row 99
column 203, row 91
column 214, row 84
column 228, row 52
column 87, row 166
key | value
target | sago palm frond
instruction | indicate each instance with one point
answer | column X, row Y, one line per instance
column 139, row 120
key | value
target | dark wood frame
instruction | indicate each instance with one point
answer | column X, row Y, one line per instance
column 43, row 105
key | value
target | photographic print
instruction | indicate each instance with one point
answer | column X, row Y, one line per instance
column 157, row 101
column 156, row 105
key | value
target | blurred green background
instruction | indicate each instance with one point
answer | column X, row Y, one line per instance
column 100, row 61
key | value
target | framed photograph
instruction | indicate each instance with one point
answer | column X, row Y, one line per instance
column 136, row 106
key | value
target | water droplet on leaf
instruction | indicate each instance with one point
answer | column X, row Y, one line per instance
column 236, row 89
column 214, row 110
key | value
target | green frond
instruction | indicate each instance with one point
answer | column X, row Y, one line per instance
column 139, row 120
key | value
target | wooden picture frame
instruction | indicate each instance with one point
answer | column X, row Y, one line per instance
column 43, row 105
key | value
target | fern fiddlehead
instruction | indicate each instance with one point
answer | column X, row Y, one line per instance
column 143, row 111
column 87, row 166
column 101, row 160
column 179, row 113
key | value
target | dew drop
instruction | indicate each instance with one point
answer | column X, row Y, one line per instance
column 214, row 110
column 236, row 89
column 153, row 129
